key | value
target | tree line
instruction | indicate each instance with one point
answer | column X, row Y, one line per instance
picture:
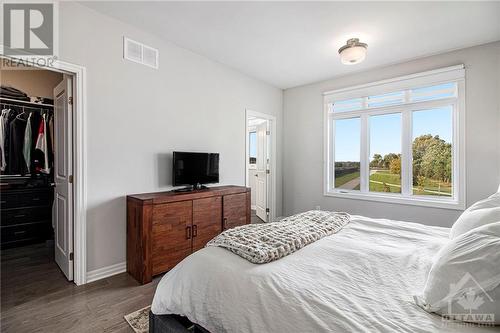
column 431, row 159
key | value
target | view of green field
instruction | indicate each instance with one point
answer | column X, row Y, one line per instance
column 433, row 187
column 344, row 179
column 384, row 181
column 431, row 170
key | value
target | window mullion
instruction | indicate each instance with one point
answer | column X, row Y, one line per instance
column 406, row 154
column 331, row 160
column 364, row 155
column 407, row 96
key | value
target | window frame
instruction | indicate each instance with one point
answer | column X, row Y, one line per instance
column 406, row 83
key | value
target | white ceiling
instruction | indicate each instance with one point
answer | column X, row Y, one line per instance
column 293, row 43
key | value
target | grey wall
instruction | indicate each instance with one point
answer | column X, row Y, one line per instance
column 137, row 115
column 303, row 137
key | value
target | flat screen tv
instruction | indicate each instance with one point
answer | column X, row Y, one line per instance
column 195, row 169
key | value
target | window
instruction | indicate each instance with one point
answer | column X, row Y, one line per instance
column 385, row 99
column 348, row 105
column 347, row 154
column 432, row 151
column 439, row 91
column 252, row 147
column 385, row 153
column 398, row 140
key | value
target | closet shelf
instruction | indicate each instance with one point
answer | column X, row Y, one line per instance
column 25, row 102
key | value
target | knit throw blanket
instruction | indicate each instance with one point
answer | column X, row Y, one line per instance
column 266, row 242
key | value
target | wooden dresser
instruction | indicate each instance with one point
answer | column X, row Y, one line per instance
column 163, row 228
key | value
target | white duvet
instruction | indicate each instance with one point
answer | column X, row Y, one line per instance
column 361, row 279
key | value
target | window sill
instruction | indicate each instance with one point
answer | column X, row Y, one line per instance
column 424, row 201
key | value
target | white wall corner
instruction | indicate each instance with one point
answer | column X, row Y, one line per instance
column 105, row 272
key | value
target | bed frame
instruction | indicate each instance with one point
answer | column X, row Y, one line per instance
column 172, row 324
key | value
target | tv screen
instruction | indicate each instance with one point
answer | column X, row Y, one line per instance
column 195, row 168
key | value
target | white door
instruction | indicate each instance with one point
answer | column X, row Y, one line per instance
column 63, row 196
column 261, row 180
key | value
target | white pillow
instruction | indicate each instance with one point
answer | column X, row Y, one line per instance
column 464, row 280
column 481, row 213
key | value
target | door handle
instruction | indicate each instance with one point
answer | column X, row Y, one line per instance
column 188, row 232
column 224, row 223
column 195, row 230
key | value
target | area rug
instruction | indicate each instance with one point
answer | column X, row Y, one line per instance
column 139, row 320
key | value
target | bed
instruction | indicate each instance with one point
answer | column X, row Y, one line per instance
column 361, row 279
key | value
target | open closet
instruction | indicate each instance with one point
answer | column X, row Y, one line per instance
column 35, row 157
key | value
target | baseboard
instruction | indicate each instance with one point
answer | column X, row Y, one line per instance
column 104, row 272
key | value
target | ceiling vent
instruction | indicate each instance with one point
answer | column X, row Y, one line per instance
column 140, row 53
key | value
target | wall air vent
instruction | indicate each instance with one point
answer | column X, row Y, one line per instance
column 140, row 53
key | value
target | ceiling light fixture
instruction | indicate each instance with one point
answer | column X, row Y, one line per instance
column 353, row 52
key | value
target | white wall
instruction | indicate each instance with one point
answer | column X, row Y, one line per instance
column 303, row 137
column 138, row 115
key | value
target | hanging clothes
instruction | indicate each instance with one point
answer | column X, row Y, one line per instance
column 9, row 117
column 22, row 128
column 51, row 132
column 36, row 156
column 27, row 144
column 50, row 140
column 41, row 145
column 16, row 164
column 3, row 119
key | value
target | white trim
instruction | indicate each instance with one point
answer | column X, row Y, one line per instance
column 79, row 163
column 271, row 189
column 398, row 79
column 395, row 108
column 406, row 153
column 396, row 198
column 448, row 74
column 104, row 272
column 460, row 181
column 394, row 85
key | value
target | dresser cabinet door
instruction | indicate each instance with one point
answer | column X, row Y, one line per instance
column 172, row 234
column 207, row 218
column 235, row 210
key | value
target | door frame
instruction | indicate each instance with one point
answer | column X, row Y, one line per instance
column 79, row 160
column 271, row 190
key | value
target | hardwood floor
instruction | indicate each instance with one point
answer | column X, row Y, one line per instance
column 255, row 218
column 36, row 297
